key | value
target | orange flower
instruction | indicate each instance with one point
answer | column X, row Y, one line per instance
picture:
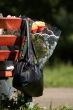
column 41, row 25
column 38, row 26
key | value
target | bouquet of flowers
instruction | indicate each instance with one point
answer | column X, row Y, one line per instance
column 45, row 38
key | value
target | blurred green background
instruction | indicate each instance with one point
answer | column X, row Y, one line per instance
column 58, row 13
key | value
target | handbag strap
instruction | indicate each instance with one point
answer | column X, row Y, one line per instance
column 24, row 50
column 28, row 38
column 30, row 43
column 23, row 43
column 34, row 51
column 28, row 47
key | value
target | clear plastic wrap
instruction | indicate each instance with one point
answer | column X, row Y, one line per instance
column 45, row 42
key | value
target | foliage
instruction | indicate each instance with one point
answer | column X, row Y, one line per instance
column 7, row 104
column 36, row 107
column 58, row 12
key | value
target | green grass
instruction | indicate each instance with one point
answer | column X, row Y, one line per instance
column 58, row 76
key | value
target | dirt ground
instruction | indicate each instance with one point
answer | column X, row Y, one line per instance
column 56, row 97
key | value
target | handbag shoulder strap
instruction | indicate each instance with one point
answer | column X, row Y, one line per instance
column 23, row 43
column 28, row 47
column 34, row 51
column 30, row 43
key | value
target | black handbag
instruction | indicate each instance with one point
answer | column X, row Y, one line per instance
column 28, row 79
column 28, row 76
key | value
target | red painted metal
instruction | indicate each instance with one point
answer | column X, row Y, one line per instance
column 5, row 73
column 8, row 55
column 9, row 40
column 10, row 23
